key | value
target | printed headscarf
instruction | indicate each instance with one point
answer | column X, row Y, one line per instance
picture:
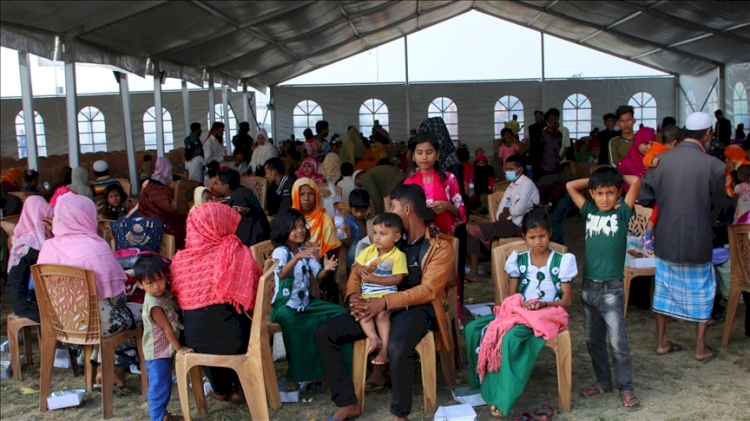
column 315, row 176
column 215, row 267
column 30, row 231
column 331, row 168
column 321, row 226
column 448, row 157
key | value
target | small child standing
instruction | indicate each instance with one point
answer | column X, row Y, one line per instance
column 382, row 267
column 602, row 292
column 160, row 324
column 356, row 223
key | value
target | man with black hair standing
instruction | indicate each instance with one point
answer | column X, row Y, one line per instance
column 279, row 195
column 620, row 145
column 321, row 135
column 193, row 140
column 605, row 136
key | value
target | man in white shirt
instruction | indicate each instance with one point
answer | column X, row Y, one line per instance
column 518, row 199
column 213, row 148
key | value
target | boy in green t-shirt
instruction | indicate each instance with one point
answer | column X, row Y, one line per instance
column 602, row 290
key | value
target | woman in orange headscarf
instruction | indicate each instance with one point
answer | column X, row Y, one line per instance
column 12, row 179
column 735, row 157
column 305, row 199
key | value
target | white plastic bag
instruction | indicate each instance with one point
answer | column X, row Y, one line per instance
column 278, row 351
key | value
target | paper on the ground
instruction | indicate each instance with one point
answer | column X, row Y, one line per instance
column 461, row 412
column 468, row 396
column 479, row 310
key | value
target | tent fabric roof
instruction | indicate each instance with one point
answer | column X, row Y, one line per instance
column 265, row 43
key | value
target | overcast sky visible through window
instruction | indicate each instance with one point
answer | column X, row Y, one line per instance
column 473, row 46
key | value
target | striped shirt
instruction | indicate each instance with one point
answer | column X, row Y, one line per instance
column 155, row 342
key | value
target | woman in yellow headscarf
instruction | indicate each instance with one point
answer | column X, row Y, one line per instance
column 12, row 179
column 322, row 229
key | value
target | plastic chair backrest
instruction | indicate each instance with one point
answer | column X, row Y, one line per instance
column 125, row 183
column 262, row 309
column 500, row 255
column 258, row 185
column 639, row 220
column 501, row 186
column 323, row 192
column 739, row 249
column 68, row 302
column 386, row 203
column 493, row 203
column 183, row 193
column 168, row 246
column 262, row 252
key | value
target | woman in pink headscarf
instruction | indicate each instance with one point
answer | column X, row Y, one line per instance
column 309, row 169
column 30, row 233
column 76, row 243
column 632, row 163
column 157, row 200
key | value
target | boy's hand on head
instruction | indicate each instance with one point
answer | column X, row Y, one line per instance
column 184, row 350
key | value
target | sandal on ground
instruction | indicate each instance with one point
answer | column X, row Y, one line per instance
column 673, row 347
column 373, row 387
column 524, row 417
column 629, row 401
column 714, row 354
column 544, row 413
column 330, row 418
column 122, row 390
column 594, row 390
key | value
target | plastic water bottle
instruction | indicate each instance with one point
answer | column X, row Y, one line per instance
column 338, row 220
column 508, row 203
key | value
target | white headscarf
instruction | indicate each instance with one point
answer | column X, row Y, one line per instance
column 262, row 153
column 79, row 182
column 347, row 185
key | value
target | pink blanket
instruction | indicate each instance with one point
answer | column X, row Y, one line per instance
column 546, row 323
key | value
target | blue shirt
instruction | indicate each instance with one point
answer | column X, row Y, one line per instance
column 356, row 236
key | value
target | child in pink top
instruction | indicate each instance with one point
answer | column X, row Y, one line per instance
column 509, row 147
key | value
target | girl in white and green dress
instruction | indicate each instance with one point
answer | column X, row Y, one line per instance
column 292, row 307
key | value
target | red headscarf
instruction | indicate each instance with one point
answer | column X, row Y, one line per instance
column 632, row 164
column 215, row 267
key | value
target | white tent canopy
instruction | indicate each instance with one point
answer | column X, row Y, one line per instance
column 266, row 43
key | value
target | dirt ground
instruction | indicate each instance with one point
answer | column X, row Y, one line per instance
column 673, row 387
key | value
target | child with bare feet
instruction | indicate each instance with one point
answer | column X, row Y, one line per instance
column 382, row 268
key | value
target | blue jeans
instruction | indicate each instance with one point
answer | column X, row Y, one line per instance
column 603, row 304
column 159, row 387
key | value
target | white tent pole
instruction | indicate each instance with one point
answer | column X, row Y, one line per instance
column 158, row 111
column 71, row 108
column 225, row 109
column 29, row 118
column 186, row 106
column 122, row 79
column 544, row 101
column 245, row 106
column 272, row 102
column 406, row 75
column 211, row 100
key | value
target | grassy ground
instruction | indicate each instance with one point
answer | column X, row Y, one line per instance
column 673, row 387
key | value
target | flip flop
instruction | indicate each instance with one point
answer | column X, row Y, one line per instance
column 673, row 347
column 714, row 354
column 373, row 387
column 628, row 398
column 330, row 418
column 594, row 390
column 545, row 412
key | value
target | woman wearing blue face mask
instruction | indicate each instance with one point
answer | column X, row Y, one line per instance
column 517, row 200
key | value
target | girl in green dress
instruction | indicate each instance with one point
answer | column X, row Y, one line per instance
column 292, row 307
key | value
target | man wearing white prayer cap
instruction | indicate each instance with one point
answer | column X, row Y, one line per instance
column 688, row 186
column 102, row 180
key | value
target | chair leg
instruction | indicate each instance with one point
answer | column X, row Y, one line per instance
column 626, row 286
column 28, row 351
column 88, row 368
column 72, row 361
column 107, row 352
column 182, row 386
column 47, row 360
column 448, row 364
column 359, row 371
column 426, row 351
column 563, row 354
column 15, row 351
column 255, row 392
column 457, row 335
column 141, row 360
column 196, row 379
column 732, row 302
column 269, row 375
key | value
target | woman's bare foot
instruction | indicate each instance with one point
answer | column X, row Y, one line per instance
column 495, row 412
column 381, row 358
column 291, row 386
column 472, row 276
column 346, row 412
column 375, row 344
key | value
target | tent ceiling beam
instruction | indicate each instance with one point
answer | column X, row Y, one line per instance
column 252, row 22
column 351, row 24
column 335, row 46
column 541, row 12
column 651, row 10
column 112, row 19
column 619, row 33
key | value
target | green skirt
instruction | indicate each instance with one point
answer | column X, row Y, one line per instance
column 520, row 350
column 298, row 330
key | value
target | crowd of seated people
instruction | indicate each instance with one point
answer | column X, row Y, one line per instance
column 416, row 198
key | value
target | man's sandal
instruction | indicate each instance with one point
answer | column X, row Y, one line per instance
column 629, row 401
column 594, row 390
column 673, row 347
column 544, row 413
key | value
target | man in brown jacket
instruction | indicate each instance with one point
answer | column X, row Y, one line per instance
column 430, row 260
